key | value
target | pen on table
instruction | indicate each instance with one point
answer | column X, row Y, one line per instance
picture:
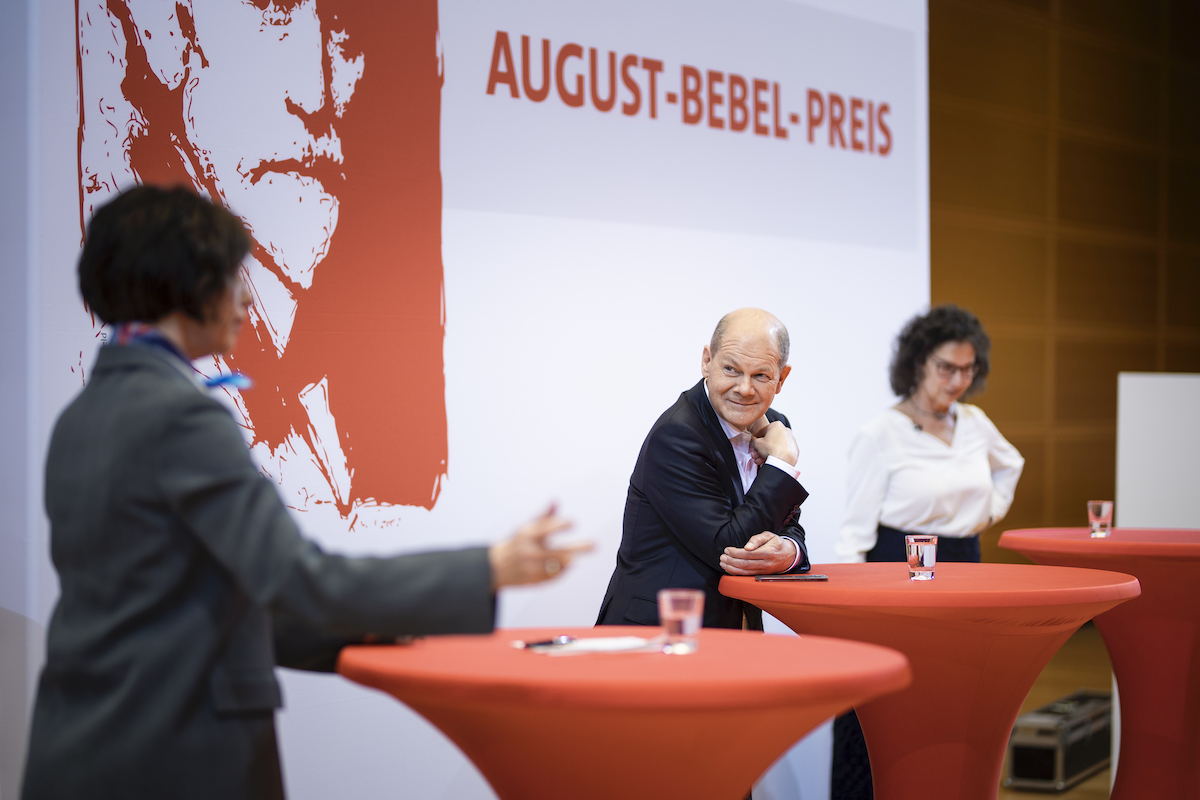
column 557, row 641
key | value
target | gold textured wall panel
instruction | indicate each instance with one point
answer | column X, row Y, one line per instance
column 986, row 164
column 1183, row 358
column 1035, row 5
column 1109, row 89
column 1104, row 186
column 999, row 274
column 1087, row 470
column 1184, row 107
column 1016, row 387
column 1183, row 289
column 1065, row 211
column 998, row 61
column 1107, row 284
column 1183, row 203
column 1121, row 20
column 1086, row 378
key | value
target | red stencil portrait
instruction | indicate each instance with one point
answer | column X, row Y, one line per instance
column 317, row 122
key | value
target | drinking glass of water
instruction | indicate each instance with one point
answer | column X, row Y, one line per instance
column 1100, row 517
column 680, row 611
column 922, row 556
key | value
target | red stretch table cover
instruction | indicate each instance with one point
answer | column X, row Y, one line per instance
column 1154, row 642
column 634, row 725
column 977, row 636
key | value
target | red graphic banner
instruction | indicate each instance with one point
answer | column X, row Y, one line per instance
column 319, row 125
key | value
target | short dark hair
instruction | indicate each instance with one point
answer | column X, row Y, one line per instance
column 152, row 251
column 924, row 334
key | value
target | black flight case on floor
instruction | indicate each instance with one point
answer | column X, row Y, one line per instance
column 1059, row 745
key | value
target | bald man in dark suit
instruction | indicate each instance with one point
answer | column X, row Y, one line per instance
column 716, row 489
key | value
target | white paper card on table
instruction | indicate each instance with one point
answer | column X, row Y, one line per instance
column 600, row 644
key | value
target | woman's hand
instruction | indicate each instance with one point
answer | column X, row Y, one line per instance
column 527, row 558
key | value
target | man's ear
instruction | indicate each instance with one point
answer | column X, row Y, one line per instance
column 783, row 373
column 705, row 361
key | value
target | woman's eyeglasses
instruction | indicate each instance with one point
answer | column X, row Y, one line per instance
column 948, row 370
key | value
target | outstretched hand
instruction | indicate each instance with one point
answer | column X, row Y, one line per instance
column 527, row 558
column 765, row 554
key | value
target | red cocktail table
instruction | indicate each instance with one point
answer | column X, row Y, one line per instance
column 977, row 636
column 634, row 725
column 1154, row 642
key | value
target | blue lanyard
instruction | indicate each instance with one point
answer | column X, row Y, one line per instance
column 141, row 333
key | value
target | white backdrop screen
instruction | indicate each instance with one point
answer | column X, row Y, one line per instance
column 490, row 241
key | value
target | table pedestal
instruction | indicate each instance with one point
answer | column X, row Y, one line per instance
column 1154, row 643
column 944, row 736
column 1157, row 665
column 947, row 738
column 536, row 752
column 603, row 726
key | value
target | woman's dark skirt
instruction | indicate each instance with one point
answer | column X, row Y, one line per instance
column 851, row 775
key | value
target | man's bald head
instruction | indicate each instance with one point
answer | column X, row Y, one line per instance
column 745, row 365
column 752, row 322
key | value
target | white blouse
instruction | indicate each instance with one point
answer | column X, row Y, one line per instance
column 906, row 478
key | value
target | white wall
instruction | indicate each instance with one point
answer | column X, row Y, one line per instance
column 1158, row 450
column 587, row 258
column 1158, row 465
column 21, row 552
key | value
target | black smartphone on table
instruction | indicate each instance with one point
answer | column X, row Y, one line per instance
column 804, row 576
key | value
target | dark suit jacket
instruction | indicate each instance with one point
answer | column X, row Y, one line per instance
column 685, row 506
column 183, row 582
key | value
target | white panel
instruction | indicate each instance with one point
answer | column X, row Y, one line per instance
column 1158, row 450
column 788, row 172
column 587, row 256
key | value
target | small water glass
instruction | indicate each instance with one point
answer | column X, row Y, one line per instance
column 1100, row 514
column 922, row 556
column 680, row 611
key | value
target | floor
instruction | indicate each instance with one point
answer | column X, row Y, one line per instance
column 1082, row 663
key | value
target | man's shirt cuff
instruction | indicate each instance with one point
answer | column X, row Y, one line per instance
column 787, row 468
column 795, row 560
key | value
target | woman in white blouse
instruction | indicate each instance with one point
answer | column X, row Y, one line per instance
column 929, row 464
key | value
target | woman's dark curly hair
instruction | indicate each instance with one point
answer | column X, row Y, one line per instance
column 924, row 334
column 152, row 251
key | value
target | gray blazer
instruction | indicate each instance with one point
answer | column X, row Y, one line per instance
column 183, row 582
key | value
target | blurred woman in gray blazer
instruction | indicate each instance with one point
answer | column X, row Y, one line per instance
column 183, row 579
